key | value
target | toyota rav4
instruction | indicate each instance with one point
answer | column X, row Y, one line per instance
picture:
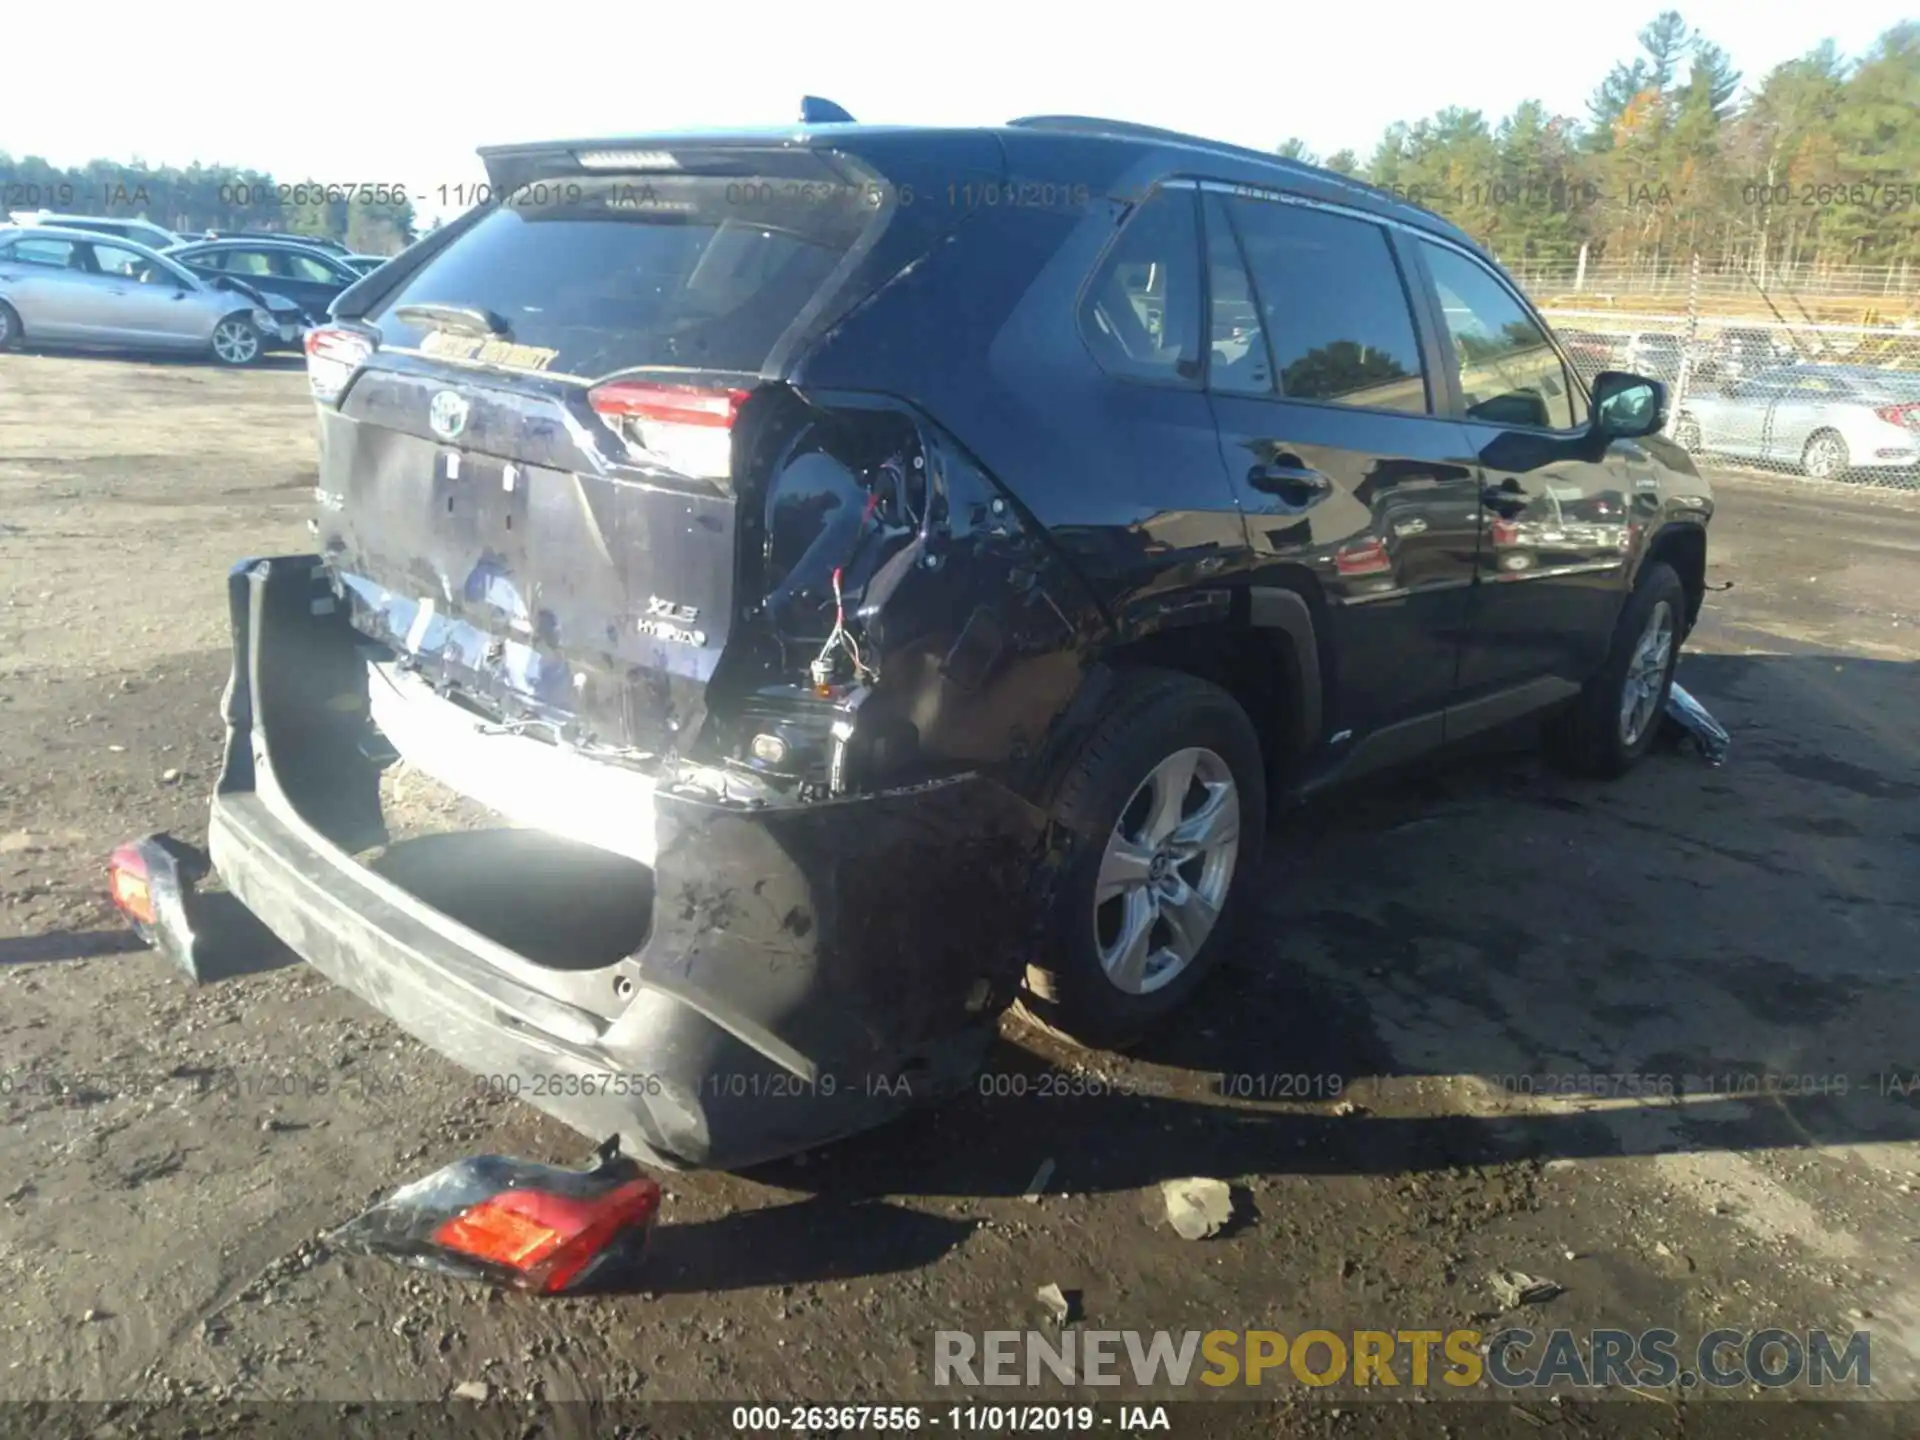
column 913, row 564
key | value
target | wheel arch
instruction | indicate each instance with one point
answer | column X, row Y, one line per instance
column 1683, row 546
column 1264, row 645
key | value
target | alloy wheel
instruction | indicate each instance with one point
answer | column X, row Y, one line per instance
column 1167, row 868
column 1646, row 675
column 236, row 342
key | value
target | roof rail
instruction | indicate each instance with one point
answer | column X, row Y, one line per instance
column 1094, row 125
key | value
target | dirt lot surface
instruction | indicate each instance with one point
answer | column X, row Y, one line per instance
column 1439, row 956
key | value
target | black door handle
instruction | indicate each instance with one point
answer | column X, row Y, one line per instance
column 1296, row 484
column 1504, row 503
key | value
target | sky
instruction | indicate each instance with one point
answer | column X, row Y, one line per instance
column 402, row 93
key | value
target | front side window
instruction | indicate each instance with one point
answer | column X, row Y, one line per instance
column 248, row 262
column 304, row 267
column 1141, row 313
column 1334, row 309
column 1509, row 373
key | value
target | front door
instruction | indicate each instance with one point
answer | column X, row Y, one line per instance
column 1320, row 391
column 1556, row 503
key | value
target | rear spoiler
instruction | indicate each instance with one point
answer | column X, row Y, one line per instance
column 798, row 157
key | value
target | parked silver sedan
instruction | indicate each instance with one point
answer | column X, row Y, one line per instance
column 1826, row 420
column 73, row 287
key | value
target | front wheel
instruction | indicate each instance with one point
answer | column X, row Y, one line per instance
column 1613, row 721
column 1164, row 810
column 236, row 341
column 1686, row 434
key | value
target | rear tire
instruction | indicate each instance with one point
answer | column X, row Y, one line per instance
column 1616, row 717
column 1164, row 811
column 1825, row 457
column 236, row 342
column 1686, row 434
column 10, row 333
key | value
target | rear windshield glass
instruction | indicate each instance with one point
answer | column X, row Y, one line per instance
column 594, row 275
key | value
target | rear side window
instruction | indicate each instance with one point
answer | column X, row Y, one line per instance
column 1141, row 312
column 1238, row 362
column 1336, row 312
column 615, row 273
column 32, row 250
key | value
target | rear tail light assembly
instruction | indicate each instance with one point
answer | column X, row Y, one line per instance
column 686, row 428
column 334, row 356
column 534, row 1227
column 1907, row 414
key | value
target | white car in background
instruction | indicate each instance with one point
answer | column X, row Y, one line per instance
column 1824, row 420
column 78, row 288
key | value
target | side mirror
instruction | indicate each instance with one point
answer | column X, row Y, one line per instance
column 1626, row 407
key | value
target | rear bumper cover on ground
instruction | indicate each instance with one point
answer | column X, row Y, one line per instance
column 810, row 970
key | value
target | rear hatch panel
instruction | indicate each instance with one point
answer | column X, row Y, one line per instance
column 486, row 523
column 516, row 563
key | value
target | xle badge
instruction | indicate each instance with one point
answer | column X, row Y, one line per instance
column 672, row 623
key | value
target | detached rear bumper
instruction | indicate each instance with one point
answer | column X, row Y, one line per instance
column 808, row 970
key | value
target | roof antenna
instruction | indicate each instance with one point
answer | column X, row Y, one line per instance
column 815, row 111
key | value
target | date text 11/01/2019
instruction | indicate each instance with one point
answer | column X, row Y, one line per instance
column 962, row 1419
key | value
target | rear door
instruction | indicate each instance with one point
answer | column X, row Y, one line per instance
column 530, row 485
column 1803, row 403
column 1320, row 390
column 39, row 278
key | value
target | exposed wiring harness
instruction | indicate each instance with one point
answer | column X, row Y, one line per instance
column 841, row 638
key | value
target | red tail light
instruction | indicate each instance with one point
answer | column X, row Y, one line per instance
column 687, row 428
column 547, row 1237
column 671, row 404
column 333, row 356
column 1908, row 414
column 1363, row 557
column 127, row 883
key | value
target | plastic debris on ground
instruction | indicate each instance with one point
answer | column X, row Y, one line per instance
column 513, row 1222
column 1197, row 1207
column 1690, row 719
column 1059, row 1303
column 1512, row 1289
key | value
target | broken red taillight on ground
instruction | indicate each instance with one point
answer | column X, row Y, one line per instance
column 534, row 1227
column 130, row 886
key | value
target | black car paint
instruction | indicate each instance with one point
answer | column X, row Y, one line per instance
column 312, row 296
column 1074, row 523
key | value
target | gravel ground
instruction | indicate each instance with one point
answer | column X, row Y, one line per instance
column 1438, row 953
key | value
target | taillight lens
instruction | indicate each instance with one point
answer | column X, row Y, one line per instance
column 687, row 428
column 332, row 358
column 549, row 1239
column 1908, row 415
column 128, row 884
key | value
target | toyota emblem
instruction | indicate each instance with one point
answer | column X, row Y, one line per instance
column 447, row 414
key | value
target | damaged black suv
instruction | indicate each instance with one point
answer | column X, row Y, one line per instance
column 907, row 567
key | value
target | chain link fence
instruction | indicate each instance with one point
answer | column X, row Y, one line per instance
column 1827, row 402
